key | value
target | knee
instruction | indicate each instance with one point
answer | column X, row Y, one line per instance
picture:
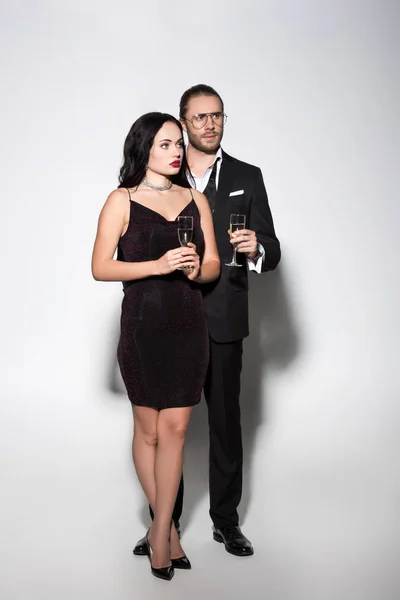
column 149, row 437
column 176, row 430
column 179, row 430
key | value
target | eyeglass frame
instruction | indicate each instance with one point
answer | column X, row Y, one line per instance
column 224, row 115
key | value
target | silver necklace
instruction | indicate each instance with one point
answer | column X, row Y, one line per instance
column 159, row 188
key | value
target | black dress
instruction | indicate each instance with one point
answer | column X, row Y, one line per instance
column 163, row 348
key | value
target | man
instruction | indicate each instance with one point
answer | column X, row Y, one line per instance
column 231, row 187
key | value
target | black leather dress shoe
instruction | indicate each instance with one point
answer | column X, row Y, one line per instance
column 141, row 547
column 235, row 542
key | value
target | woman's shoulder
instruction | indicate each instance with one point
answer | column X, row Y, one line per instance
column 199, row 198
column 192, row 194
column 117, row 200
column 119, row 195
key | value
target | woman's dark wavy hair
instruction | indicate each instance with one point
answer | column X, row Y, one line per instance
column 137, row 149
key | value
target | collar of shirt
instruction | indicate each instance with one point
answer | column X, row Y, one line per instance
column 200, row 183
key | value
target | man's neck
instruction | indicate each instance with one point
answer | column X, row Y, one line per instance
column 199, row 161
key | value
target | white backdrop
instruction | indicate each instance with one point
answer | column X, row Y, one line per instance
column 312, row 95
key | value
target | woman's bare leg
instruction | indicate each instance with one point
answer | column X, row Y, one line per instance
column 176, row 550
column 144, row 447
column 172, row 424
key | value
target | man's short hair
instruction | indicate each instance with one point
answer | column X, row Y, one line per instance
column 197, row 90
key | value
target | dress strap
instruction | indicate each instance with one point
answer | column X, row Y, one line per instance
column 130, row 199
column 191, row 193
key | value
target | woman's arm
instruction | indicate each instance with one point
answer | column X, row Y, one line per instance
column 113, row 218
column 211, row 265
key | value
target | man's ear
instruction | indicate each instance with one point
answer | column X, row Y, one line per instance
column 183, row 123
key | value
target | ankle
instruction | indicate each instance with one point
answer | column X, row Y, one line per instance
column 160, row 530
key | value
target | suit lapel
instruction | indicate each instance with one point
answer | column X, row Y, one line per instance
column 226, row 177
column 225, row 183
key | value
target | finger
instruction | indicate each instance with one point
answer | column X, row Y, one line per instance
column 248, row 244
column 172, row 259
column 244, row 248
column 193, row 269
column 243, row 239
column 190, row 268
column 174, row 265
column 176, row 261
column 245, row 232
column 191, row 245
column 192, row 275
column 180, row 250
column 191, row 259
column 243, row 235
column 238, row 240
column 171, row 254
column 188, row 258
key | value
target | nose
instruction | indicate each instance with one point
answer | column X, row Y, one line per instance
column 210, row 125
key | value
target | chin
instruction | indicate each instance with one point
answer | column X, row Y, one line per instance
column 212, row 146
column 210, row 149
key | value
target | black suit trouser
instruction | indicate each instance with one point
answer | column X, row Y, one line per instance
column 222, row 391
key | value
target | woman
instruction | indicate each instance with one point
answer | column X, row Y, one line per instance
column 163, row 348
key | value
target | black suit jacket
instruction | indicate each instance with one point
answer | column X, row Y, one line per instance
column 226, row 299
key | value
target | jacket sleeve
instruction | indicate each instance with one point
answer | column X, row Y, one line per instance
column 262, row 223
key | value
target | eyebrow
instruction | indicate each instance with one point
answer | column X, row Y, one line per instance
column 167, row 140
column 212, row 112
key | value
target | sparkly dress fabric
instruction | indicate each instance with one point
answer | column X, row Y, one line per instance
column 163, row 347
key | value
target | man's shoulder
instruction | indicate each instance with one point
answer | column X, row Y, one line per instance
column 240, row 164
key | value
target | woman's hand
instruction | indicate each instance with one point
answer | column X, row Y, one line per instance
column 169, row 262
column 179, row 257
column 191, row 261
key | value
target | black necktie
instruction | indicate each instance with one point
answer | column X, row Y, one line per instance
column 210, row 191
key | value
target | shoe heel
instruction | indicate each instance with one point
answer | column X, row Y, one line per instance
column 165, row 573
column 217, row 537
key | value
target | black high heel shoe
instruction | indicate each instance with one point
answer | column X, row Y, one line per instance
column 165, row 573
column 182, row 562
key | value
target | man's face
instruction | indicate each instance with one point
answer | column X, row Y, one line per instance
column 204, row 132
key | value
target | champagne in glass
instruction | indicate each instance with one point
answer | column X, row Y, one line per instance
column 185, row 233
column 237, row 222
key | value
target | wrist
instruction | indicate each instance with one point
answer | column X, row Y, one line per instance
column 154, row 268
column 254, row 256
column 197, row 276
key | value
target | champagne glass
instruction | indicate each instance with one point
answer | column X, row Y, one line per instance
column 237, row 222
column 185, row 234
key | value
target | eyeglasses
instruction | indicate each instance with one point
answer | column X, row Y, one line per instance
column 200, row 120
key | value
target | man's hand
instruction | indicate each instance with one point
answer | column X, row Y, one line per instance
column 245, row 241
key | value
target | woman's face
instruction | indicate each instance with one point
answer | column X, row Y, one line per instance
column 166, row 154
